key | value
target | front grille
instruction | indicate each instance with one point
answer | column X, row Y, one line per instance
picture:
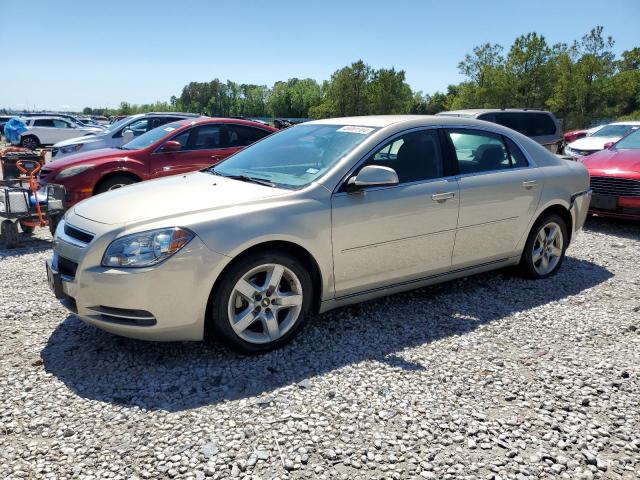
column 66, row 267
column 620, row 187
column 73, row 232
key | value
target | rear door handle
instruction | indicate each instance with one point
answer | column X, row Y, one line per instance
column 529, row 184
column 442, row 197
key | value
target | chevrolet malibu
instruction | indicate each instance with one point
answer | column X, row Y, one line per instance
column 318, row 216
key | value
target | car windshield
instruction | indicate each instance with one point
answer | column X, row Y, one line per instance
column 152, row 136
column 630, row 142
column 613, row 131
column 294, row 157
column 116, row 125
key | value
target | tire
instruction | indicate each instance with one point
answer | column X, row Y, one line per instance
column 549, row 240
column 113, row 182
column 9, row 234
column 263, row 327
column 31, row 142
column 26, row 228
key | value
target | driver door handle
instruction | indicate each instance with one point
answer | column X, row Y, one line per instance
column 442, row 197
column 529, row 184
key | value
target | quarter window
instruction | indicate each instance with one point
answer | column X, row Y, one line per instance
column 414, row 156
column 484, row 152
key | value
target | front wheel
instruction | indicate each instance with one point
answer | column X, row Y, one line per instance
column 114, row 182
column 262, row 302
column 545, row 248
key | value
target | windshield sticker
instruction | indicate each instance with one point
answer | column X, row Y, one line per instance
column 354, row 129
column 169, row 129
column 312, row 171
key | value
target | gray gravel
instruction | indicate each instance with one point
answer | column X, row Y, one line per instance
column 487, row 377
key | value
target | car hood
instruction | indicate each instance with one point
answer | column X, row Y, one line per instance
column 170, row 196
column 592, row 143
column 86, row 139
column 86, row 157
column 613, row 161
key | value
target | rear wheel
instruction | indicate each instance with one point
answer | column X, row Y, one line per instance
column 30, row 142
column 9, row 234
column 28, row 229
column 114, row 182
column 545, row 248
column 262, row 302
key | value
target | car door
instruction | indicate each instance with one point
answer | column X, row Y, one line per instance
column 201, row 147
column 64, row 130
column 45, row 130
column 392, row 234
column 499, row 193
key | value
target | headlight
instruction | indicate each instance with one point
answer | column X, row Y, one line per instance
column 145, row 248
column 71, row 171
column 71, row 148
column 568, row 151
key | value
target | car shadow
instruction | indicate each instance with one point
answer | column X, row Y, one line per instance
column 183, row 375
column 28, row 244
column 617, row 227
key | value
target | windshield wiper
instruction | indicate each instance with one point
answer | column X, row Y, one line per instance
column 246, row 178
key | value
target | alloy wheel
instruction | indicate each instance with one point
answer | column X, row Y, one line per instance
column 265, row 303
column 30, row 143
column 547, row 248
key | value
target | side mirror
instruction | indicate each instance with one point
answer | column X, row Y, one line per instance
column 372, row 176
column 608, row 145
column 171, row 146
column 127, row 135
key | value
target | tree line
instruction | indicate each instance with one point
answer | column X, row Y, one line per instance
column 581, row 82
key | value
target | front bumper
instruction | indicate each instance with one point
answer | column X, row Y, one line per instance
column 166, row 302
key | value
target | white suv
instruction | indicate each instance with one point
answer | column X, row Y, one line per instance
column 47, row 130
column 118, row 133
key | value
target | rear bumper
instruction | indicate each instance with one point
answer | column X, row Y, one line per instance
column 579, row 208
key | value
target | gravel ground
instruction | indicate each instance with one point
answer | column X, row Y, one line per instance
column 486, row 377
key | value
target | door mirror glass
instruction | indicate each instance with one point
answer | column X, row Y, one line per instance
column 171, row 146
column 373, row 176
column 127, row 135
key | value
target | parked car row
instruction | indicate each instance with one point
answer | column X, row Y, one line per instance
column 598, row 138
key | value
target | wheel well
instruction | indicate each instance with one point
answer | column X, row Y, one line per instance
column 563, row 213
column 288, row 248
column 115, row 174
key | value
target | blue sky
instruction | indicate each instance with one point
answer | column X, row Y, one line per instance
column 70, row 54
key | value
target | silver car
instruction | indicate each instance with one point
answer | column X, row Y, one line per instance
column 318, row 216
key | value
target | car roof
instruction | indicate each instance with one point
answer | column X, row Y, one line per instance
column 388, row 120
column 204, row 120
column 630, row 122
column 46, row 117
column 478, row 111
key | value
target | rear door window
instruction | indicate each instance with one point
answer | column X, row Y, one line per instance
column 44, row 122
column 477, row 151
column 243, row 135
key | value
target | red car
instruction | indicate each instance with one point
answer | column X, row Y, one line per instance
column 573, row 135
column 171, row 149
column 615, row 178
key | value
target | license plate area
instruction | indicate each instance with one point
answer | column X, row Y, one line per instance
column 604, row 202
